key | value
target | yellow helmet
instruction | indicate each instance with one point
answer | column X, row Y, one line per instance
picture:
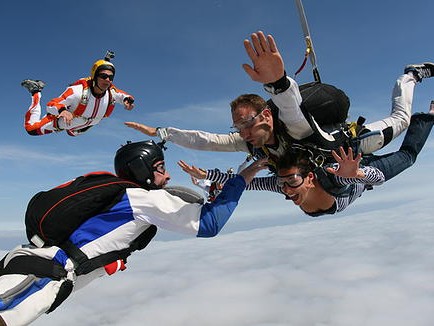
column 101, row 65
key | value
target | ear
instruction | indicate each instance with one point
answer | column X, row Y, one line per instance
column 268, row 116
column 310, row 178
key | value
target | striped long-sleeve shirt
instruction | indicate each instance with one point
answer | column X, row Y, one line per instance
column 373, row 177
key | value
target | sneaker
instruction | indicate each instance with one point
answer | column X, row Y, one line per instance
column 33, row 86
column 420, row 71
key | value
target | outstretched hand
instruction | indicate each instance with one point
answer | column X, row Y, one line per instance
column 147, row 130
column 348, row 164
column 193, row 171
column 268, row 65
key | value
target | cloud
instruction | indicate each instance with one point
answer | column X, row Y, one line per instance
column 368, row 269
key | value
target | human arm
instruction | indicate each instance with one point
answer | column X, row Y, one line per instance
column 268, row 69
column 122, row 97
column 164, row 210
column 195, row 139
column 64, row 105
column 215, row 175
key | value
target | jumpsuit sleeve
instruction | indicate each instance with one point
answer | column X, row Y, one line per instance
column 69, row 100
column 170, row 212
column 120, row 95
column 290, row 112
column 206, row 141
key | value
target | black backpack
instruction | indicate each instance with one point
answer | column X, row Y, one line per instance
column 326, row 103
column 53, row 215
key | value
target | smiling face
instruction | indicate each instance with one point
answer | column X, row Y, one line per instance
column 296, row 184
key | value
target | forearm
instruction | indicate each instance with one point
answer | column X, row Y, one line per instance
column 368, row 175
column 261, row 184
column 201, row 140
column 215, row 215
column 288, row 102
column 264, row 184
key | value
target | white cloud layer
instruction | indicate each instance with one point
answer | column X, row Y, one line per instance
column 368, row 269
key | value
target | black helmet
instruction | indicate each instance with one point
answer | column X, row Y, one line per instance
column 134, row 162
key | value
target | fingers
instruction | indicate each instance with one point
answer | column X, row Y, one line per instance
column 336, row 156
column 150, row 131
column 250, row 71
column 249, row 49
column 272, row 43
column 192, row 170
column 131, row 124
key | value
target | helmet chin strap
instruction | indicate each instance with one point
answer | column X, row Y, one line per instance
column 95, row 82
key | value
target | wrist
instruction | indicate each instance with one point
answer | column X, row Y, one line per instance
column 279, row 86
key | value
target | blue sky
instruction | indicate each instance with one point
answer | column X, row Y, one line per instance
column 182, row 62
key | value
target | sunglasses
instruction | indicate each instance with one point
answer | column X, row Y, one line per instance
column 105, row 76
column 160, row 168
column 293, row 180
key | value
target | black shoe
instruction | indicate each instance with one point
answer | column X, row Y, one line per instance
column 33, row 86
column 420, row 71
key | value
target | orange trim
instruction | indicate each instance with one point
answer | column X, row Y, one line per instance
column 56, row 101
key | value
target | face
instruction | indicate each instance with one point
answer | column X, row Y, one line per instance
column 104, row 79
column 161, row 176
column 294, row 185
column 256, row 129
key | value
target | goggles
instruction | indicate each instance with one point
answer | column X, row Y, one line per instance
column 247, row 123
column 160, row 168
column 293, row 180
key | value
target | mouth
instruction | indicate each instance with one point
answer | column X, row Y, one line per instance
column 293, row 197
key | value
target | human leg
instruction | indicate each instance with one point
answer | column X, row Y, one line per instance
column 33, row 123
column 399, row 119
column 417, row 133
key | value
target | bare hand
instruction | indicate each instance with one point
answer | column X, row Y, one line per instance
column 195, row 172
column 66, row 116
column 249, row 172
column 268, row 65
column 150, row 131
column 348, row 165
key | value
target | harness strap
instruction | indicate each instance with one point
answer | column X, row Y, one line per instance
column 38, row 266
column 86, row 265
column 81, row 107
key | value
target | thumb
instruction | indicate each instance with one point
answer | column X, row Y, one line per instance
column 331, row 170
column 250, row 71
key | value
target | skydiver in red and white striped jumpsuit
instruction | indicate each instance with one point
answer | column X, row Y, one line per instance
column 82, row 105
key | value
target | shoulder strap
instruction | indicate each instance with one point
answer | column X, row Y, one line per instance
column 85, row 82
column 112, row 102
